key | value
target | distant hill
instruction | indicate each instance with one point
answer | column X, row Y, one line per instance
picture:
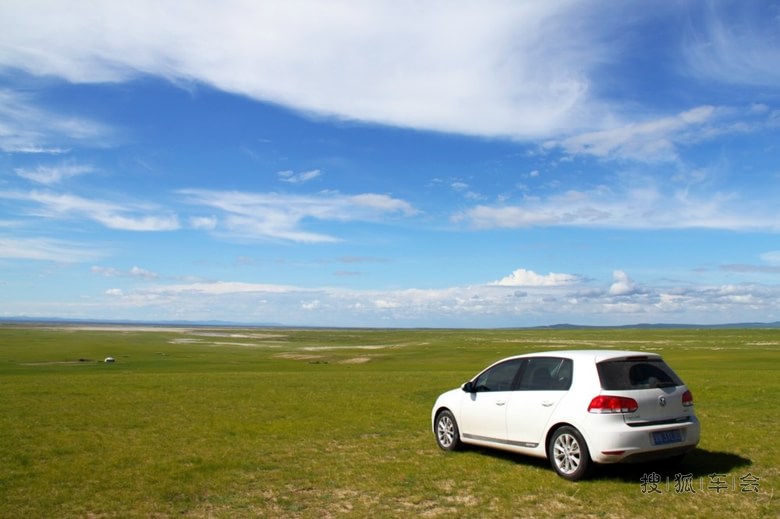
column 661, row 326
column 106, row 322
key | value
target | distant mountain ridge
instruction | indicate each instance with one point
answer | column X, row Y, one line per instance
column 234, row 324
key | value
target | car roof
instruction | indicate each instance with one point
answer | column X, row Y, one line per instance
column 594, row 355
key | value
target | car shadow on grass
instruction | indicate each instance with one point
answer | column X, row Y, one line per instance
column 699, row 463
column 511, row 457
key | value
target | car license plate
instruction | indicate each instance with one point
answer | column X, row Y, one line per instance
column 664, row 437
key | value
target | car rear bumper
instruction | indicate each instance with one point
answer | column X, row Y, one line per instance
column 623, row 444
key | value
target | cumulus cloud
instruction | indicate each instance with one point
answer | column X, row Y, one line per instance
column 623, row 285
column 529, row 278
column 480, row 305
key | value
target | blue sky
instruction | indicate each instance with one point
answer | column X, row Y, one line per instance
column 391, row 163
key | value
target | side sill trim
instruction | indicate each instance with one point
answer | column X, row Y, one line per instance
column 528, row 445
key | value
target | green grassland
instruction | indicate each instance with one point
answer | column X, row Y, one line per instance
column 336, row 423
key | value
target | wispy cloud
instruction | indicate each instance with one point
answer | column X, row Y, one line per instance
column 648, row 141
column 642, row 203
column 504, row 68
column 662, row 139
column 735, row 43
column 746, row 268
column 49, row 175
column 280, row 216
column 772, row 257
column 27, row 128
column 134, row 272
column 292, row 177
column 46, row 249
column 126, row 217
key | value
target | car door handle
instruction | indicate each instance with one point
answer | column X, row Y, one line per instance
column 500, row 402
column 547, row 403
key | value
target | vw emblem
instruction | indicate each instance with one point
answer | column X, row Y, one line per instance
column 662, row 401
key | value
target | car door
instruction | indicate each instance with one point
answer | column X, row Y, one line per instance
column 483, row 410
column 543, row 382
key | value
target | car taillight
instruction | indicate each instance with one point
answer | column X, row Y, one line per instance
column 605, row 404
column 687, row 400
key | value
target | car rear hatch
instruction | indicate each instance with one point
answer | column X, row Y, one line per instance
column 661, row 397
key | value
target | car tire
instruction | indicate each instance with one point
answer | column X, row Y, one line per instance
column 568, row 454
column 447, row 432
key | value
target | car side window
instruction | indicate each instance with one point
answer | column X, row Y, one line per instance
column 547, row 374
column 498, row 378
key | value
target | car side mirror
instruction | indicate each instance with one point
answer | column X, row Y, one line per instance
column 468, row 387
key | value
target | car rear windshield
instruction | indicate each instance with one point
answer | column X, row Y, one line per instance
column 636, row 373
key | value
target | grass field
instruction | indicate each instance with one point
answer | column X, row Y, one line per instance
column 336, row 423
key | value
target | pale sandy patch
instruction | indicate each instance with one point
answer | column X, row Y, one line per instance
column 356, row 360
column 327, row 348
column 298, row 356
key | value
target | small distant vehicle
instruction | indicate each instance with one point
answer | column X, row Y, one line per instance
column 575, row 408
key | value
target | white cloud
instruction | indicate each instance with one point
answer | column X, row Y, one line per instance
column 222, row 288
column 623, row 285
column 310, row 305
column 280, row 216
column 653, row 140
column 298, row 178
column 481, row 305
column 48, row 175
column 381, row 203
column 772, row 257
column 105, row 271
column 26, row 128
column 204, row 223
column 109, row 214
column 134, row 272
column 502, row 68
column 45, row 249
column 529, row 278
column 636, row 203
column 735, row 46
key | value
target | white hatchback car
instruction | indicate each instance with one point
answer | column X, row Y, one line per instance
column 575, row 408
